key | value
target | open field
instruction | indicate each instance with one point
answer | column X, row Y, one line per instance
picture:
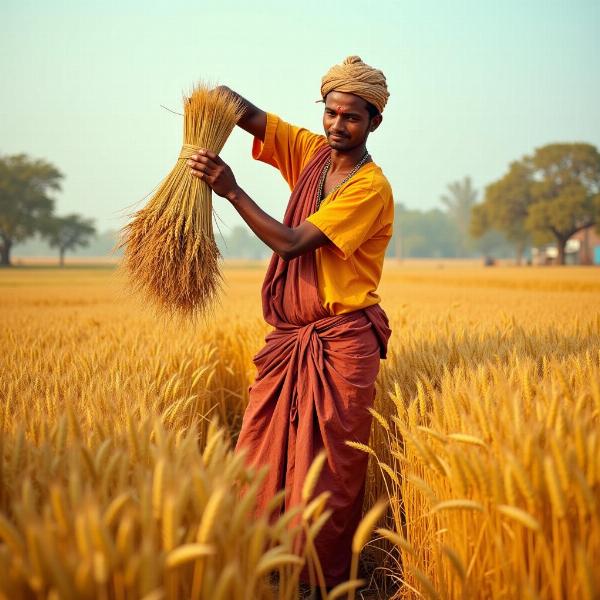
column 485, row 443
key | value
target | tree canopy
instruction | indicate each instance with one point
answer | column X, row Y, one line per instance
column 68, row 233
column 25, row 201
column 547, row 196
column 565, row 189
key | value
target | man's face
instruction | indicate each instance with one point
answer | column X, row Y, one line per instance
column 346, row 121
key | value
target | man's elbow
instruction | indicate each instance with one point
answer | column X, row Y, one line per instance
column 289, row 251
column 287, row 255
column 295, row 245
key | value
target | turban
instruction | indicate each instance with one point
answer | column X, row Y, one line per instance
column 355, row 77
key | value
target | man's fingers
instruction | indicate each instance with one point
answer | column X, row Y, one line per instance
column 206, row 165
column 200, row 159
column 200, row 170
column 208, row 153
column 197, row 165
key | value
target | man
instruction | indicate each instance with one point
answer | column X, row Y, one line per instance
column 317, row 371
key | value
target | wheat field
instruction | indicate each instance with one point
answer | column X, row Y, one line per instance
column 117, row 478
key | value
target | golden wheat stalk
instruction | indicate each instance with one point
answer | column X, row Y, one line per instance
column 170, row 251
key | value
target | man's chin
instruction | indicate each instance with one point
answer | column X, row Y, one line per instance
column 337, row 145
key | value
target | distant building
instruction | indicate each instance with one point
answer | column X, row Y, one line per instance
column 589, row 242
column 583, row 248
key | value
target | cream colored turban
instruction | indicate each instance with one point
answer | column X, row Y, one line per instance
column 355, row 77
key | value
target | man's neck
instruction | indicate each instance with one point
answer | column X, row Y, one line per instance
column 346, row 161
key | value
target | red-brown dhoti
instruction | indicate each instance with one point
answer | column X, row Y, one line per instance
column 315, row 383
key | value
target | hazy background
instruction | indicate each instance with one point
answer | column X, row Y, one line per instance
column 474, row 85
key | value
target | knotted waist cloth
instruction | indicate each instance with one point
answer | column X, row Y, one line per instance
column 315, row 382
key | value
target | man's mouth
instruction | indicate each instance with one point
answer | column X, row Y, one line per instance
column 337, row 135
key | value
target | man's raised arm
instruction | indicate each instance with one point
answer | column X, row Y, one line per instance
column 254, row 120
column 288, row 242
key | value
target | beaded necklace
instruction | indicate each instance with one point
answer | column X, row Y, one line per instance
column 326, row 166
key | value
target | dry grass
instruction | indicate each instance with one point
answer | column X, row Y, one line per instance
column 485, row 436
column 170, row 251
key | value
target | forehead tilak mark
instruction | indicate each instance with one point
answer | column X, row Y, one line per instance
column 339, row 110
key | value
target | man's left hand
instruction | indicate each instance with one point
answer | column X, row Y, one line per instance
column 206, row 165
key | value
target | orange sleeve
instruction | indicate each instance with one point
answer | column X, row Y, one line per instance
column 351, row 218
column 286, row 147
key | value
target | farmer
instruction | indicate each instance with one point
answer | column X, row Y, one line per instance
column 317, row 370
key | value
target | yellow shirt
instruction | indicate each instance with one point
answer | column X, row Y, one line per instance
column 357, row 218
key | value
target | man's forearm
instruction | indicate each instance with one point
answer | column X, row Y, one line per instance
column 279, row 237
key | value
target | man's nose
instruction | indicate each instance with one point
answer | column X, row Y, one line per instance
column 338, row 124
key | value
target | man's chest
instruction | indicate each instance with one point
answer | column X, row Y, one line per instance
column 331, row 182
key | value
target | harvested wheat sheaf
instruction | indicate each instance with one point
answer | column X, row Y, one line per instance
column 170, row 251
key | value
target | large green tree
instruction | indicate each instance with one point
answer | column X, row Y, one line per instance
column 545, row 197
column 505, row 208
column 68, row 233
column 459, row 201
column 25, row 203
column 565, row 190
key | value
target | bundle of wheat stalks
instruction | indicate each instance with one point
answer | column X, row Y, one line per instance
column 170, row 250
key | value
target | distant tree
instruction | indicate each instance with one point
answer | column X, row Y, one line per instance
column 68, row 233
column 433, row 234
column 24, row 200
column 505, row 208
column 459, row 201
column 493, row 243
column 242, row 243
column 565, row 190
column 548, row 196
column 423, row 234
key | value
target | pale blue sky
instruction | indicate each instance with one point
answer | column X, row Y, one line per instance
column 474, row 85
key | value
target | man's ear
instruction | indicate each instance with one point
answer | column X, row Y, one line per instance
column 375, row 122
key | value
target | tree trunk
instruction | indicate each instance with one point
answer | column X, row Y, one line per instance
column 62, row 257
column 561, row 247
column 5, row 253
